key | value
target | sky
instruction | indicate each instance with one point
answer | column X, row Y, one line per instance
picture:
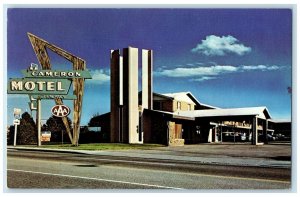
column 226, row 57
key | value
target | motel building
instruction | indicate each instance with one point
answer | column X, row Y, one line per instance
column 173, row 119
column 188, row 122
column 179, row 118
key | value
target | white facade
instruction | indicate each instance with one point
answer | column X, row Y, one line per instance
column 133, row 118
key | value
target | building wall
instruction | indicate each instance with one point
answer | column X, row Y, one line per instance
column 183, row 106
column 175, row 134
column 171, row 105
column 284, row 128
column 115, row 95
column 155, row 128
column 147, row 126
column 162, row 128
column 167, row 106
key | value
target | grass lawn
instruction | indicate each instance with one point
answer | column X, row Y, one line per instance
column 101, row 146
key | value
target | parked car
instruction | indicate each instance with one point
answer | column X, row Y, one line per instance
column 281, row 137
column 269, row 137
column 243, row 137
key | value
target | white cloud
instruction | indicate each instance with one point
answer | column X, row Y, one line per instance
column 205, row 73
column 197, row 71
column 99, row 77
column 190, row 64
column 260, row 67
column 205, row 78
column 219, row 46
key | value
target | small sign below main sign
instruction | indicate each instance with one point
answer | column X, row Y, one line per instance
column 60, row 110
column 16, row 122
column 46, row 136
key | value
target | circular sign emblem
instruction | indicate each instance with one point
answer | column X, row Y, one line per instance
column 60, row 110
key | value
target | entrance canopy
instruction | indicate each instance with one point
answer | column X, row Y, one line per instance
column 260, row 112
column 173, row 115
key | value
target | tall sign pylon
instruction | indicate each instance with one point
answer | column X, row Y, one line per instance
column 40, row 47
column 126, row 114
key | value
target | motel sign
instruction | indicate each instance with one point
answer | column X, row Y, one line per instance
column 38, row 86
column 46, row 83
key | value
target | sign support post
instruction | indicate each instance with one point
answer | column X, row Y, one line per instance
column 15, row 135
column 38, row 120
column 17, row 113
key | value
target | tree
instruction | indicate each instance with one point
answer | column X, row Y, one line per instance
column 57, row 128
column 10, row 135
column 103, row 122
column 94, row 121
column 44, row 127
column 27, row 131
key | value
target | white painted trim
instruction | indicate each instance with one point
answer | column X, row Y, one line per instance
column 121, row 80
column 145, row 77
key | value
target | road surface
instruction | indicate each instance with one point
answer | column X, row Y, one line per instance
column 39, row 169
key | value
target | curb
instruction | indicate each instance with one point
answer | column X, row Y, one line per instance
column 192, row 160
column 48, row 150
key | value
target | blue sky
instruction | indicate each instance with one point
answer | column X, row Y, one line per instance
column 225, row 57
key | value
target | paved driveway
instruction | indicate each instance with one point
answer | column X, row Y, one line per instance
column 268, row 151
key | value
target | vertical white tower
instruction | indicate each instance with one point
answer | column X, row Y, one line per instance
column 126, row 122
column 133, row 105
column 147, row 82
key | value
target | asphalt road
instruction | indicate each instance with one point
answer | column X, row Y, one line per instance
column 36, row 169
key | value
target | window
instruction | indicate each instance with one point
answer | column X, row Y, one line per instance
column 157, row 105
column 178, row 105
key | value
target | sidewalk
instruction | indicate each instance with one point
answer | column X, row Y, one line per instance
column 169, row 154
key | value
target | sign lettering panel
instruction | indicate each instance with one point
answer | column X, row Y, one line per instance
column 57, row 74
column 38, row 86
column 50, row 96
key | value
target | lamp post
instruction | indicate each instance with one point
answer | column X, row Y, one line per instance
column 17, row 113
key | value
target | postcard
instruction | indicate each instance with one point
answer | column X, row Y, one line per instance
column 156, row 99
